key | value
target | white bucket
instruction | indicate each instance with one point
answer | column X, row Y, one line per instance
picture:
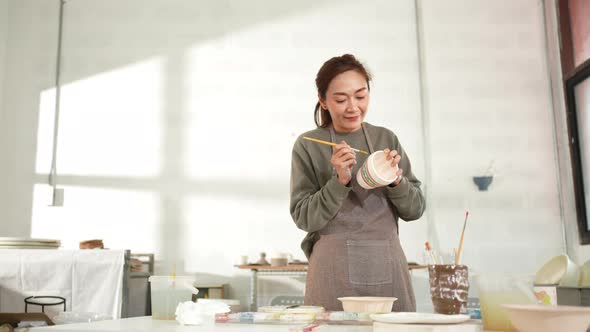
column 167, row 292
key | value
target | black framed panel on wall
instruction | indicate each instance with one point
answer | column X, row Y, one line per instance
column 578, row 112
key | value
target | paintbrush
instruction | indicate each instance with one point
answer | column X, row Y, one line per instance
column 458, row 256
column 331, row 144
column 430, row 252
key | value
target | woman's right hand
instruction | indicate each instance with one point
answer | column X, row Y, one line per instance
column 343, row 160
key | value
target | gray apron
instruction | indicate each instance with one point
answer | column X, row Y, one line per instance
column 359, row 252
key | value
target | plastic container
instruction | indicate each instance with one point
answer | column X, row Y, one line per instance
column 167, row 292
column 367, row 303
column 585, row 275
column 496, row 290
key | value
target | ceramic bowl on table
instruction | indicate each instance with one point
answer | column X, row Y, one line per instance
column 367, row 303
column 559, row 270
column 548, row 318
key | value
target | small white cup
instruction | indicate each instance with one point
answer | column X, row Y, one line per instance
column 376, row 171
column 280, row 259
column 243, row 260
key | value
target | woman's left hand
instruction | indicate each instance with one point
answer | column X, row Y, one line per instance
column 395, row 158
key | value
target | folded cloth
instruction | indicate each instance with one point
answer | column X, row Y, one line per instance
column 89, row 280
column 191, row 313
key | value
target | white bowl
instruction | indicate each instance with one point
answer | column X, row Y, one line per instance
column 559, row 270
column 548, row 318
column 367, row 303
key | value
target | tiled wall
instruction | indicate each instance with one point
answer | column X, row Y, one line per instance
column 489, row 99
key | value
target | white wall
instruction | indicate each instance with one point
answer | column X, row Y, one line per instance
column 29, row 69
column 3, row 43
column 178, row 119
column 489, row 98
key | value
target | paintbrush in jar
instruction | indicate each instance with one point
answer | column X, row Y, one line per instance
column 430, row 253
column 458, row 256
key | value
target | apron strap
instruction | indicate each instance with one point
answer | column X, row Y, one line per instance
column 367, row 137
column 332, row 139
column 332, row 135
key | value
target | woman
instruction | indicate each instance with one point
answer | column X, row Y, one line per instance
column 352, row 242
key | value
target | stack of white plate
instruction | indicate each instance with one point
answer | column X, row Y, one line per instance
column 28, row 243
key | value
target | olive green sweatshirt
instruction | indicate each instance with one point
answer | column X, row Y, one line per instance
column 316, row 194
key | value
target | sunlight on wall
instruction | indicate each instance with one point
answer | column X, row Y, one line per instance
column 225, row 109
column 124, row 219
column 260, row 91
column 259, row 94
column 214, row 229
column 45, row 131
column 245, row 121
column 109, row 123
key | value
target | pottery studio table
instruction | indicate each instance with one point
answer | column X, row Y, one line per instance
column 147, row 324
column 288, row 270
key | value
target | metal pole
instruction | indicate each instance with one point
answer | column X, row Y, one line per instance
column 425, row 114
column 253, row 290
column 52, row 174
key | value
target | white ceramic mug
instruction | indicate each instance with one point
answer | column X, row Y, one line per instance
column 243, row 260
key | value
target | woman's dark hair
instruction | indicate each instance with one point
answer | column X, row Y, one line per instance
column 330, row 69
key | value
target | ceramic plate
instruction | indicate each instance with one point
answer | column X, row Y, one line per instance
column 25, row 239
column 28, row 247
column 418, row 318
column 46, row 244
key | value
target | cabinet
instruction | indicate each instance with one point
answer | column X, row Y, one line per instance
column 210, row 291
